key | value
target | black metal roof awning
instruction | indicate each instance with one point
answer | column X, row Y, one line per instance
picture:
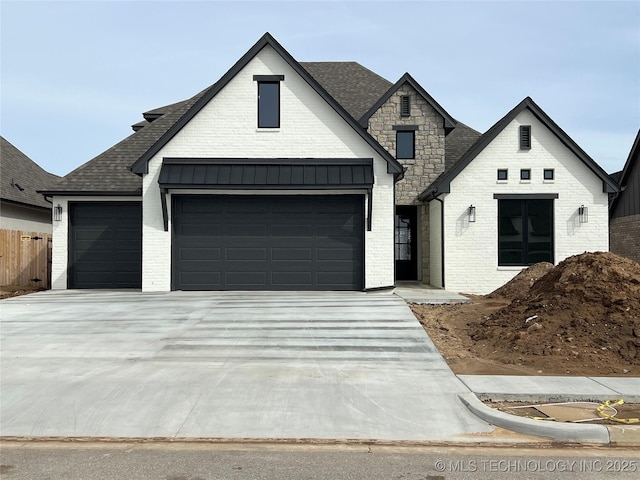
column 266, row 174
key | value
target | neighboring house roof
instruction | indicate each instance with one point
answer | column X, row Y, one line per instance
column 354, row 87
column 21, row 177
column 449, row 122
column 141, row 165
column 628, row 180
column 443, row 183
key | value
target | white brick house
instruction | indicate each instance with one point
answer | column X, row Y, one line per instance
column 524, row 193
column 286, row 176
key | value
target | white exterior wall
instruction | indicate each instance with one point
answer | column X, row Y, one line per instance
column 60, row 244
column 435, row 234
column 471, row 259
column 26, row 219
column 227, row 128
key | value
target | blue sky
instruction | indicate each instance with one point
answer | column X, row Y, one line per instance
column 76, row 75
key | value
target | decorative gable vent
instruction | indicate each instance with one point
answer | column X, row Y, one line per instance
column 525, row 137
column 405, row 106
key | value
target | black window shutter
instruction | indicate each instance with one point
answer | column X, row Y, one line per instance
column 525, row 137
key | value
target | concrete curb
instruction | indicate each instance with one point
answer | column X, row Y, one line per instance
column 565, row 432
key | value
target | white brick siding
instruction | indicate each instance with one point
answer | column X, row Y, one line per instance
column 60, row 245
column 227, row 128
column 471, row 260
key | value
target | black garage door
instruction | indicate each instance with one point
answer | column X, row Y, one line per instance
column 105, row 248
column 223, row 242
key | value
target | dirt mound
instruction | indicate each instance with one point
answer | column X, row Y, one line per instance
column 586, row 309
column 519, row 286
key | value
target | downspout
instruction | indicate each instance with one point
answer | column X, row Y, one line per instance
column 441, row 237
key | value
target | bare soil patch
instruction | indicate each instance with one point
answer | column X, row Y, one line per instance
column 8, row 291
column 581, row 317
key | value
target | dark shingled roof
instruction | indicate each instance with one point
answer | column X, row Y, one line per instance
column 353, row 86
column 21, row 177
column 109, row 172
column 458, row 142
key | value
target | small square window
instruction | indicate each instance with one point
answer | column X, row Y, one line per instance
column 405, row 106
column 503, row 174
column 548, row 174
column 525, row 174
column 405, row 144
column 525, row 137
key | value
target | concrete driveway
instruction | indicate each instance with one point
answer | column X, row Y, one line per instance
column 225, row 365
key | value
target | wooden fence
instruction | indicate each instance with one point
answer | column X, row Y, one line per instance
column 25, row 258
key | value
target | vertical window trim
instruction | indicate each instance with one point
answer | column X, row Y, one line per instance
column 525, row 137
column 405, row 106
column 413, row 146
column 269, row 82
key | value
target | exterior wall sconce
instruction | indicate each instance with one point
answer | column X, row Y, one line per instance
column 583, row 214
column 471, row 211
column 57, row 213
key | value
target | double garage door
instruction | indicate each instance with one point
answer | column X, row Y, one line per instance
column 288, row 242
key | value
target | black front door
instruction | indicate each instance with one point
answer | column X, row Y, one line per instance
column 406, row 243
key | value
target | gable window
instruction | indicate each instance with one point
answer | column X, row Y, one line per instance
column 548, row 174
column 525, row 231
column 525, row 174
column 268, row 100
column 405, row 144
column 503, row 174
column 405, row 106
column 525, row 137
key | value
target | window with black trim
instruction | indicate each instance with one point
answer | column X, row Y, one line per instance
column 405, row 144
column 548, row 174
column 405, row 106
column 525, row 174
column 268, row 104
column 503, row 174
column 525, row 137
column 525, row 232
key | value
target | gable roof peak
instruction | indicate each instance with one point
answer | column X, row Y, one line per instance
column 140, row 166
column 449, row 121
column 443, row 183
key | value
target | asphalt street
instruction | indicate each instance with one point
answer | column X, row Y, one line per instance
column 64, row 461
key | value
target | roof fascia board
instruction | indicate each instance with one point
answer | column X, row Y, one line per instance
column 449, row 121
column 85, row 193
column 25, row 205
column 267, row 161
column 634, row 153
column 141, row 165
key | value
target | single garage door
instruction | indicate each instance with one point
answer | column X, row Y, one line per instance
column 311, row 242
column 105, row 248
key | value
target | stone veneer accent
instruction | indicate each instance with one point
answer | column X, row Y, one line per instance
column 624, row 233
column 421, row 171
column 429, row 142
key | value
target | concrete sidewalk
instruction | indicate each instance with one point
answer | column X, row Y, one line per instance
column 536, row 389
